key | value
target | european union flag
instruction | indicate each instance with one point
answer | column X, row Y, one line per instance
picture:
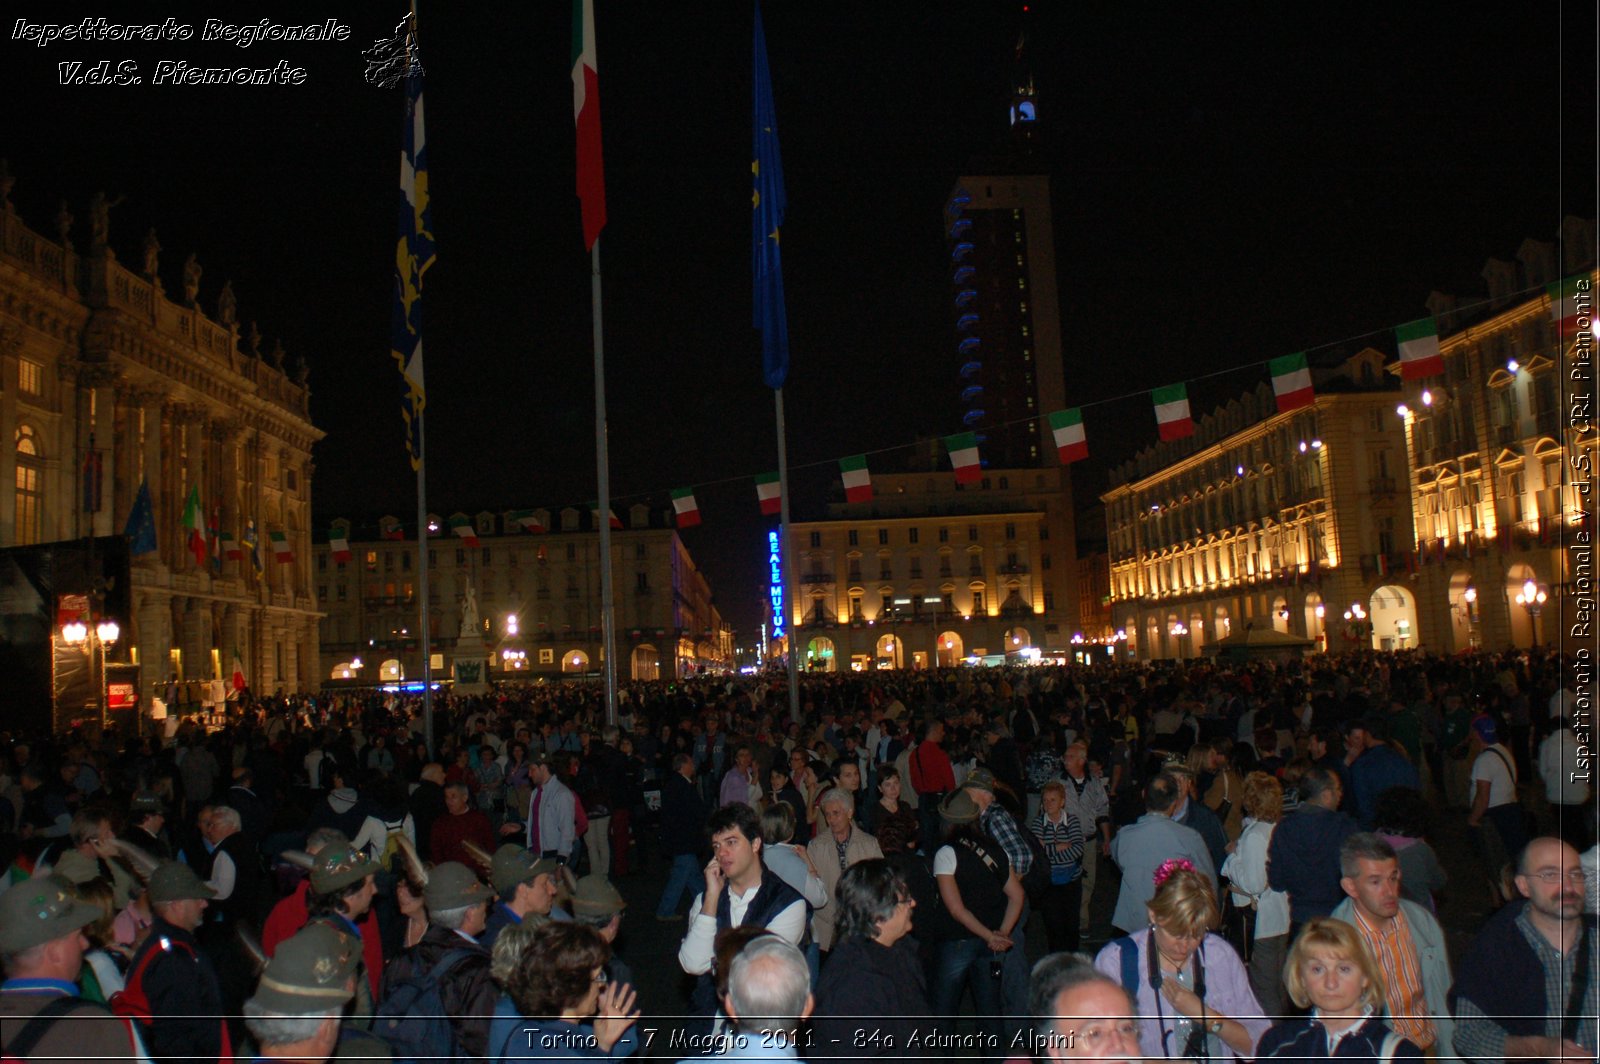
column 414, row 253
column 141, row 528
column 768, row 202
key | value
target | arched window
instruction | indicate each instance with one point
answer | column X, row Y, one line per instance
column 30, row 487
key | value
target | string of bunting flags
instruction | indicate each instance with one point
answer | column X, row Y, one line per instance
column 1417, row 343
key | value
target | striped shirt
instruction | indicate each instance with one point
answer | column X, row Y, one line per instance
column 1396, row 954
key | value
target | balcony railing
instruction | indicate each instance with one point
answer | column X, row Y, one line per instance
column 1013, row 568
column 816, row 576
column 1381, row 485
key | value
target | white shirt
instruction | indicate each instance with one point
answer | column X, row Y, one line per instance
column 223, row 875
column 698, row 949
column 1246, row 869
column 1558, row 764
column 1491, row 766
column 944, row 861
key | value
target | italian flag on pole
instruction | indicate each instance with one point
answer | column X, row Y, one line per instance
column 1572, row 304
column 586, row 113
column 237, row 668
column 767, row 492
column 462, row 527
column 857, row 478
column 527, row 520
column 230, row 547
column 685, row 507
column 1419, row 349
column 194, row 524
column 1067, row 427
column 594, row 512
column 1172, row 412
column 1291, row 382
column 281, row 551
column 963, row 448
column 339, row 544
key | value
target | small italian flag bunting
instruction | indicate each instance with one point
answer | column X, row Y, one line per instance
column 237, row 668
column 767, row 492
column 857, row 478
column 1572, row 304
column 594, row 512
column 963, row 448
column 1067, row 427
column 194, row 524
column 527, row 520
column 281, row 552
column 1172, row 412
column 1419, row 349
column 687, row 509
column 1291, row 382
column 339, row 544
column 462, row 527
column 230, row 547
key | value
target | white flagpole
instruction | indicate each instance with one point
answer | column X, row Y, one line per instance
column 608, row 627
column 783, row 547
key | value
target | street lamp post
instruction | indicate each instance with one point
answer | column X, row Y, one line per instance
column 1532, row 598
column 95, row 641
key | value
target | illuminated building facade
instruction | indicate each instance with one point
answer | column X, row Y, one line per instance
column 109, row 381
column 537, row 596
column 930, row 573
column 1497, row 444
column 1268, row 520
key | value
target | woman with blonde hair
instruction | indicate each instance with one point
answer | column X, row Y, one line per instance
column 1268, row 909
column 1333, row 973
column 1190, row 987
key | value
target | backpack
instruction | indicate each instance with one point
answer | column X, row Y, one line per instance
column 1037, row 881
column 412, row 1018
column 26, row 1040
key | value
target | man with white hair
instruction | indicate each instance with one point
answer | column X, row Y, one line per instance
column 298, row 1005
column 835, row 850
column 769, row 996
column 1079, row 1013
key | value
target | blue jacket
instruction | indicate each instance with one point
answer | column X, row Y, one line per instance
column 1303, row 1038
column 1374, row 772
column 1303, row 860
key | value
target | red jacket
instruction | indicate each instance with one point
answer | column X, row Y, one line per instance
column 290, row 915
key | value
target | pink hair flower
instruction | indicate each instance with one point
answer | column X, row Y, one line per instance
column 1171, row 865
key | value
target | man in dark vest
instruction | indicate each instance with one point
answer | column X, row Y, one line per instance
column 175, row 977
column 739, row 891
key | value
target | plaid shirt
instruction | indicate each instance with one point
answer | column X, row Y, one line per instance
column 1479, row 1037
column 1002, row 828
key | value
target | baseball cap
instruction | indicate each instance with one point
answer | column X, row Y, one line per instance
column 513, row 864
column 336, row 867
column 175, row 881
column 146, row 803
column 453, row 886
column 595, row 896
column 310, row 972
column 39, row 910
column 1484, row 725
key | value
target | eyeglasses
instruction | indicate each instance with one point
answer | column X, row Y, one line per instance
column 1098, row 1035
column 601, row 978
column 1553, row 876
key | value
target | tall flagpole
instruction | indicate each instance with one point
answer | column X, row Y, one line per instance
column 602, row 461
column 422, row 526
column 783, row 548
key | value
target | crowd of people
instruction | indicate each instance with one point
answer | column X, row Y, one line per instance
column 856, row 880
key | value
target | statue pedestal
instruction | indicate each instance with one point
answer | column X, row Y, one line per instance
column 471, row 666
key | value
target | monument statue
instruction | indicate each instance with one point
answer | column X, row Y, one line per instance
column 254, row 339
column 152, row 254
column 227, row 305
column 7, row 183
column 471, row 623
column 100, row 219
column 64, row 222
column 191, row 279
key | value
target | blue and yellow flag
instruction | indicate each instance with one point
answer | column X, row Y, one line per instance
column 141, row 527
column 414, row 253
column 768, row 202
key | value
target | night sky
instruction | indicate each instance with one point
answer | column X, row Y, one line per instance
column 1229, row 186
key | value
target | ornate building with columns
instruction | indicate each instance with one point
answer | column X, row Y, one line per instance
column 108, row 382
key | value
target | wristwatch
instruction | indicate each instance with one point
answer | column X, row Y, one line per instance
column 1214, row 1027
